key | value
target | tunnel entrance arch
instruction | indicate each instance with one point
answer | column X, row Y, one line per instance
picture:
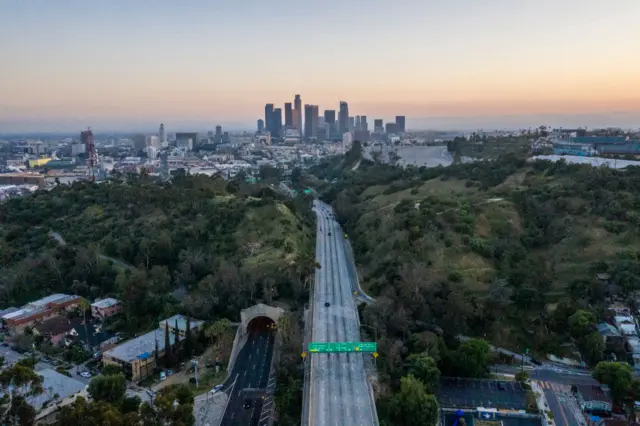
column 257, row 311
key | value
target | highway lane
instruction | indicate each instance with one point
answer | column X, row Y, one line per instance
column 339, row 391
column 251, row 368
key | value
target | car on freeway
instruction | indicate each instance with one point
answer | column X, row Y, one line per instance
column 327, row 304
column 247, row 404
column 329, row 233
column 501, row 386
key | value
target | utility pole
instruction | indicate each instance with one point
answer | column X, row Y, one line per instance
column 194, row 363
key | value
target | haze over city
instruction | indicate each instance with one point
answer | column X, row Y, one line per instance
column 462, row 64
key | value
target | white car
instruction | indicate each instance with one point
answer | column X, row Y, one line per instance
column 85, row 374
column 215, row 389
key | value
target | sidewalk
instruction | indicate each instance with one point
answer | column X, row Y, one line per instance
column 541, row 401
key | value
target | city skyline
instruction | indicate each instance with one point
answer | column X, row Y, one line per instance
column 459, row 65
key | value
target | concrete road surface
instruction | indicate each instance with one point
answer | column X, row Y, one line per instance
column 339, row 392
column 250, row 371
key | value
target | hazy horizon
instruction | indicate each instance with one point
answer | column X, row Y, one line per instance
column 496, row 63
column 488, row 123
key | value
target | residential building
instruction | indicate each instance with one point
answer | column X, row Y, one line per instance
column 92, row 337
column 260, row 125
column 105, row 308
column 39, row 310
column 55, row 329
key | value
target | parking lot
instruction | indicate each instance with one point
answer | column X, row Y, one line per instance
column 472, row 393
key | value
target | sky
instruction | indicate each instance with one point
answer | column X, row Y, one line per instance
column 455, row 64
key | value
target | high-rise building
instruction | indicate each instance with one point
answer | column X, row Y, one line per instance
column 310, row 121
column 288, row 115
column 268, row 117
column 356, row 125
column 330, row 116
column 330, row 123
column 378, row 125
column 163, row 135
column 297, row 115
column 363, row 123
column 351, row 125
column 218, row 137
column 226, row 138
column 260, row 125
column 391, row 128
column 400, row 124
column 277, row 122
column 343, row 118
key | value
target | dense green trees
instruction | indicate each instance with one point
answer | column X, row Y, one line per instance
column 412, row 405
column 189, row 245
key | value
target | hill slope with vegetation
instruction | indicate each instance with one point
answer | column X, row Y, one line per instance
column 200, row 245
column 506, row 249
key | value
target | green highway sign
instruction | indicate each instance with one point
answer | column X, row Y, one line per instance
column 326, row 347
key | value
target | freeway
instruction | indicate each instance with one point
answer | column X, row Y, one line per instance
column 339, row 393
column 250, row 371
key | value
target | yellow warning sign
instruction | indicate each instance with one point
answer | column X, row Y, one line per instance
column 375, row 354
column 303, row 354
column 355, row 292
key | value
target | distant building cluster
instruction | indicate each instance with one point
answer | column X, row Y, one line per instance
column 307, row 124
column 579, row 142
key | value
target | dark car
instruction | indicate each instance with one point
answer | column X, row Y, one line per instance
column 501, row 386
column 535, row 361
column 327, row 304
column 247, row 404
column 192, row 380
column 329, row 233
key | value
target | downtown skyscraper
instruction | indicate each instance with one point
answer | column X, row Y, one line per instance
column 288, row 115
column 343, row 118
column 297, row 113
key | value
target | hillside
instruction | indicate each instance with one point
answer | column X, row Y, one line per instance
column 216, row 246
column 507, row 250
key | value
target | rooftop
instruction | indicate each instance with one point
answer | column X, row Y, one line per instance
column 22, row 313
column 182, row 322
column 140, row 347
column 54, row 298
column 55, row 383
column 57, row 325
column 9, row 310
column 105, row 303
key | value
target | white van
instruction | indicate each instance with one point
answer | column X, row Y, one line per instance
column 163, row 375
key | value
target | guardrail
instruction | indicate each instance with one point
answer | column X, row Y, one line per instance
column 308, row 337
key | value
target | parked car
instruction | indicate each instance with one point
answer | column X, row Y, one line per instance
column 192, row 380
column 163, row 375
column 247, row 404
column 85, row 374
column 169, row 372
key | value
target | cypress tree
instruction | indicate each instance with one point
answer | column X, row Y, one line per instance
column 176, row 346
column 187, row 342
column 167, row 346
